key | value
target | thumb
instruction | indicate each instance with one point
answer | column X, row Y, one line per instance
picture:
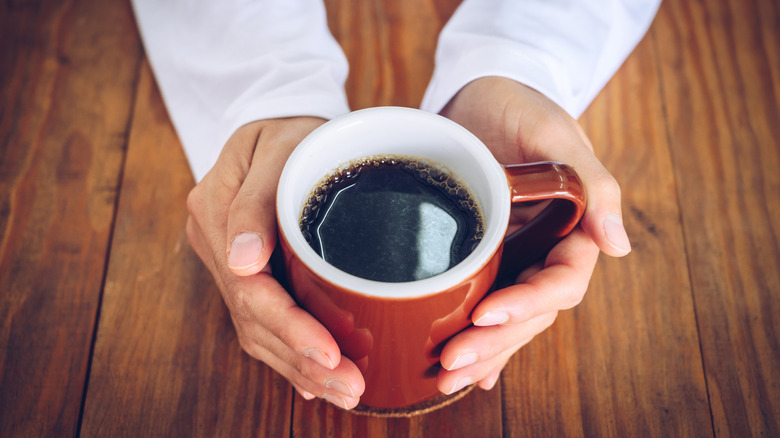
column 251, row 229
column 251, row 225
column 251, row 222
column 247, row 254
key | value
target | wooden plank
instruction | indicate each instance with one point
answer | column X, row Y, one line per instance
column 390, row 46
column 167, row 361
column 477, row 414
column 720, row 72
column 66, row 82
column 626, row 361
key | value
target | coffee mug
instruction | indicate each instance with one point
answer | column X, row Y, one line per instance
column 394, row 331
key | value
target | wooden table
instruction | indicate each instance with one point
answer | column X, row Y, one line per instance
column 110, row 326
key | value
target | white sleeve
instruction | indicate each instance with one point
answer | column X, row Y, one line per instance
column 222, row 64
column 565, row 49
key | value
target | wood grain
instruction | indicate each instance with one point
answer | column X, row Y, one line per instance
column 390, row 47
column 111, row 326
column 65, row 66
column 721, row 80
column 625, row 362
column 477, row 414
column 167, row 361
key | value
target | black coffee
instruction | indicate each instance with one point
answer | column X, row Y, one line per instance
column 392, row 219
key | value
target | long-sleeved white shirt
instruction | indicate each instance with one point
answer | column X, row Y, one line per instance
column 222, row 64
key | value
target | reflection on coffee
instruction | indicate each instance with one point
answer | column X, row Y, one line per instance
column 392, row 219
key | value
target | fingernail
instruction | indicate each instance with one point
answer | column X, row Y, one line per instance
column 340, row 386
column 335, row 400
column 460, row 384
column 318, row 356
column 616, row 234
column 492, row 318
column 464, row 360
column 245, row 251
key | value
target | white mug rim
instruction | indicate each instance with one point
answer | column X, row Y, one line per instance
column 496, row 219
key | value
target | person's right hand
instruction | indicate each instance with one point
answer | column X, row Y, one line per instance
column 232, row 227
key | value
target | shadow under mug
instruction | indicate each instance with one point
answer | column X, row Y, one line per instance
column 394, row 332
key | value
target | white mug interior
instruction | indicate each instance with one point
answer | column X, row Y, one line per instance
column 394, row 131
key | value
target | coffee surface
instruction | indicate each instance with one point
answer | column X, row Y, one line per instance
column 392, row 219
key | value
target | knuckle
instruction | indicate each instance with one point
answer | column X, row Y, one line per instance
column 285, row 331
column 574, row 298
column 549, row 319
column 248, row 340
column 252, row 338
column 304, row 367
column 557, row 128
column 244, row 201
column 239, row 300
column 551, row 127
column 607, row 186
column 533, row 304
column 195, row 199
column 250, row 199
column 299, row 363
column 246, row 345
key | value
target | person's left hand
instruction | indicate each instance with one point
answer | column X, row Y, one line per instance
column 520, row 125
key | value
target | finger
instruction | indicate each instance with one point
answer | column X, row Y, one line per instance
column 259, row 304
column 292, row 342
column 489, row 381
column 450, row 382
column 481, row 344
column 521, row 125
column 560, row 285
column 561, row 138
column 529, row 272
column 342, row 386
column 305, row 394
column 603, row 218
column 251, row 224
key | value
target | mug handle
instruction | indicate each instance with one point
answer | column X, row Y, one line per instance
column 537, row 182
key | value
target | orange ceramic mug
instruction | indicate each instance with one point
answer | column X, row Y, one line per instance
column 395, row 331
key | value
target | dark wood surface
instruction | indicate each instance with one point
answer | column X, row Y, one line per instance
column 110, row 325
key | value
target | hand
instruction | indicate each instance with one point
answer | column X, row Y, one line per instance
column 520, row 125
column 232, row 227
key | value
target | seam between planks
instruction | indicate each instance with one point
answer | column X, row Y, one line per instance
column 109, row 245
column 667, row 130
